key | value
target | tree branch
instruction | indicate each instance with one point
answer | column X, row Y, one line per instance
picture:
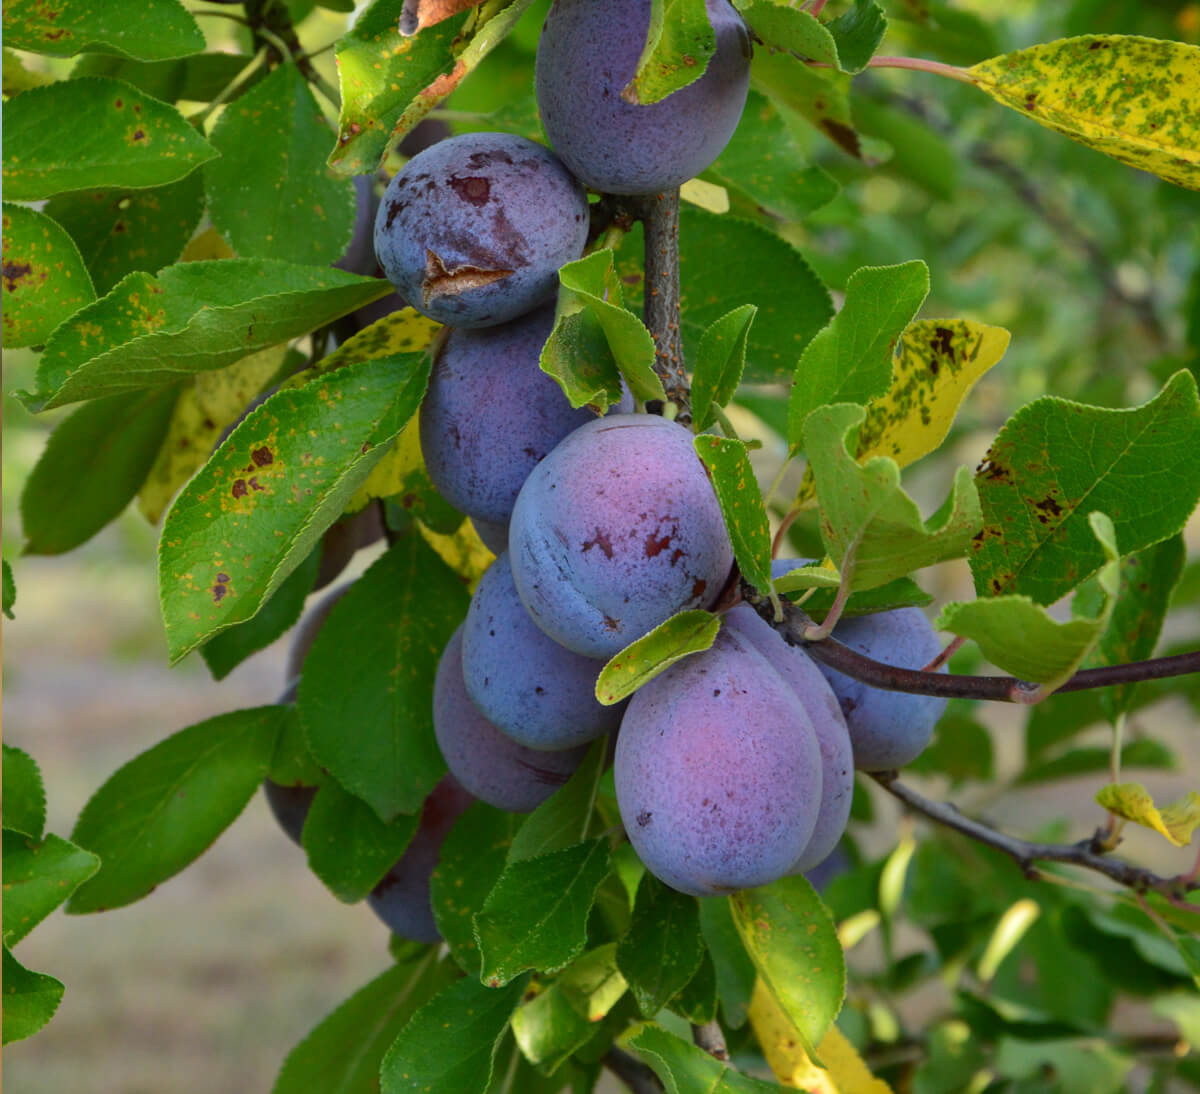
column 1088, row 853
column 1004, row 689
column 659, row 214
column 633, row 1073
column 711, row 1037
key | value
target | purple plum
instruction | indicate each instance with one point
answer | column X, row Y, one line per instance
column 290, row 805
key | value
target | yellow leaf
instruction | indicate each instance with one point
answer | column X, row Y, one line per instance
column 844, row 1071
column 206, row 407
column 403, row 331
column 463, row 551
column 937, row 362
column 1135, row 99
column 1132, row 802
column 707, row 195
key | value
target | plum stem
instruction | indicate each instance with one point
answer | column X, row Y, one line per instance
column 955, row 645
column 659, row 214
column 1088, row 853
column 1004, row 689
column 819, row 632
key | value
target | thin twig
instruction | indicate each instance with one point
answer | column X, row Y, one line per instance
column 633, row 1073
column 1087, row 853
column 711, row 1037
column 1004, row 689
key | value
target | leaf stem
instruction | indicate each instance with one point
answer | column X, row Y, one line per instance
column 222, row 96
column 817, row 633
column 923, row 64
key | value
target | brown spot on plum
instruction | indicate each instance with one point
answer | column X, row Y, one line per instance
column 440, row 280
column 655, row 547
column 643, row 818
column 473, row 189
column 262, row 456
column 612, row 624
column 698, row 587
column 599, row 539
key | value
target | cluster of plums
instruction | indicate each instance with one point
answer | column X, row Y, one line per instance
column 733, row 767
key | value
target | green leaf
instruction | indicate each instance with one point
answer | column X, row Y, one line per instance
column 820, row 96
column 38, row 877
column 389, row 81
column 719, row 364
column 44, row 277
column 280, row 479
column 734, row 970
column 962, row 749
column 369, row 718
column 1055, row 461
column 679, row 44
column 223, row 653
column 23, row 794
column 536, row 915
column 662, row 949
column 92, row 467
column 858, row 33
column 193, row 317
column 591, row 321
column 30, row 999
column 1147, row 580
column 348, row 847
column 200, row 77
column 766, row 163
column 563, row 818
column 1079, row 1065
column 920, row 153
column 10, row 591
column 865, row 510
column 786, row 28
column 1024, row 639
column 472, row 859
column 1128, row 97
column 728, row 464
column 697, row 1001
column 164, row 808
column 344, row 1051
column 549, row 1029
column 684, row 1068
column 119, row 231
column 791, row 939
column 150, row 30
column 850, row 361
column 640, row 662
column 123, row 137
column 593, row 983
column 292, row 764
column 901, row 593
column 1144, row 753
column 18, row 78
column 450, row 1043
column 270, row 194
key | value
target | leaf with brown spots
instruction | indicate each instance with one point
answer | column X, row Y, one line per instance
column 1135, row 99
column 679, row 44
column 419, row 14
column 104, row 150
column 728, row 464
column 150, row 30
column 640, row 662
column 42, row 278
column 256, row 519
column 1055, row 461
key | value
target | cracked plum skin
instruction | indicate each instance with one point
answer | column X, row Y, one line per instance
column 529, row 687
column 614, row 532
column 587, row 53
column 472, row 231
column 888, row 729
column 491, row 414
column 488, row 764
column 718, row 771
column 801, row 674
column 401, row 899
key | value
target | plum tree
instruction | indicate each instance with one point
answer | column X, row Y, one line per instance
column 528, row 686
column 485, row 761
column 718, row 771
column 587, row 54
column 616, row 530
column 401, row 899
column 888, row 729
column 472, row 231
column 803, row 676
column 479, row 460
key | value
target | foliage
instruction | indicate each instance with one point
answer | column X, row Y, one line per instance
column 170, row 270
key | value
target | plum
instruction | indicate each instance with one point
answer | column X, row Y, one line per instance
column 344, row 539
column 494, row 534
column 491, row 414
column 589, row 51
column 615, row 531
column 472, row 231
column 718, row 771
column 887, row 728
column 801, row 673
column 529, row 687
column 290, row 805
column 488, row 764
column 401, row 899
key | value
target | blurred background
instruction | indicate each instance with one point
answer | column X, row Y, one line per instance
column 1093, row 267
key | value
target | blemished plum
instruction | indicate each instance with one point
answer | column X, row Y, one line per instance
column 537, row 692
column 401, row 899
column 490, row 414
column 888, row 729
column 472, row 231
column 615, row 531
column 488, row 764
column 589, row 51
column 801, row 673
column 718, row 771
